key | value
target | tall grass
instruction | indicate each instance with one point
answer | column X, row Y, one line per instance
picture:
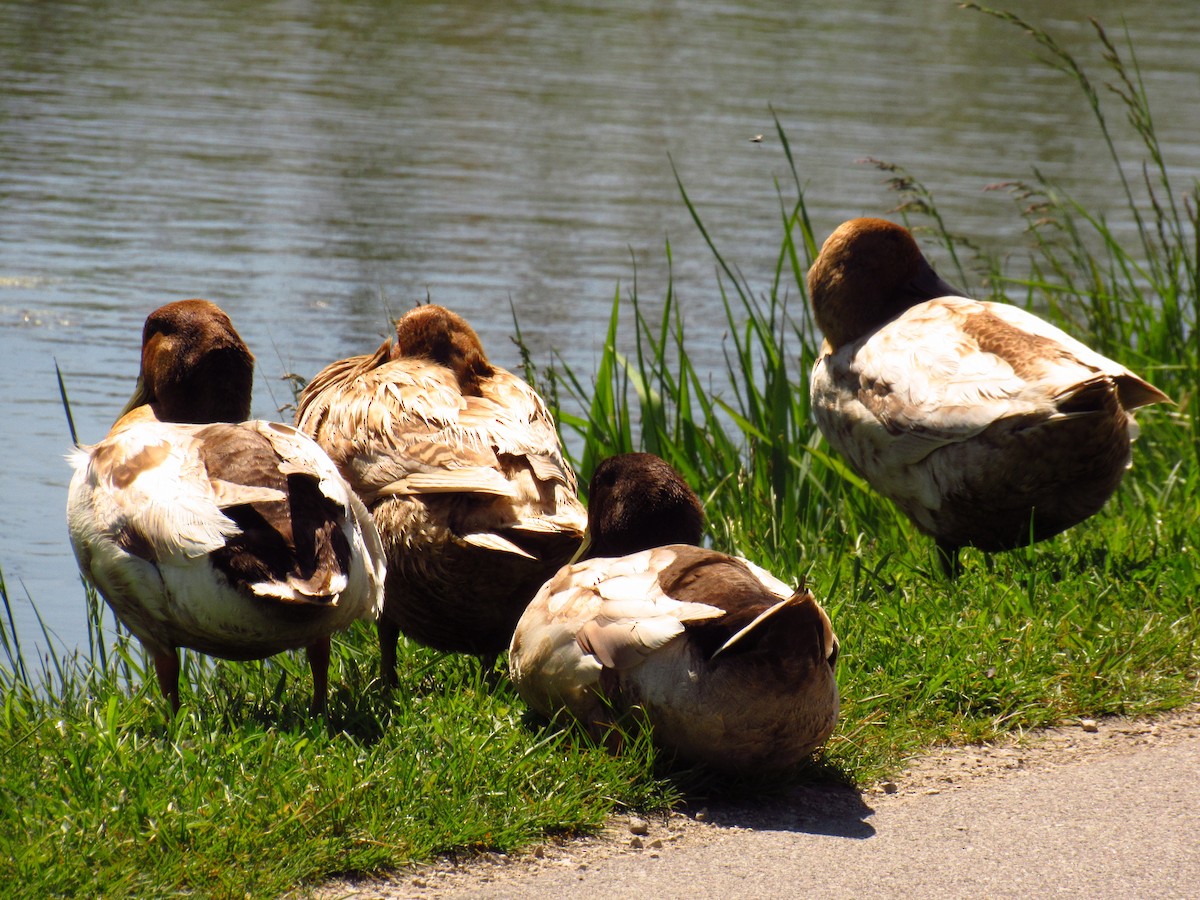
column 102, row 792
column 748, row 444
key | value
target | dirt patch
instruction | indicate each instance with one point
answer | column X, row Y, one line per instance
column 956, row 768
column 823, row 809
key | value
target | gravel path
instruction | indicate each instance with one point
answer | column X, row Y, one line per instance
column 1094, row 809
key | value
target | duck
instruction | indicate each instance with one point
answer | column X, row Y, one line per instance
column 205, row 530
column 987, row 426
column 733, row 669
column 461, row 466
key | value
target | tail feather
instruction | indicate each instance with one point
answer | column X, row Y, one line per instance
column 1102, row 393
column 1135, row 392
column 797, row 623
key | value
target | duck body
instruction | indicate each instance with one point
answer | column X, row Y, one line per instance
column 461, row 467
column 731, row 667
column 985, row 424
column 238, row 539
column 190, row 532
column 656, row 631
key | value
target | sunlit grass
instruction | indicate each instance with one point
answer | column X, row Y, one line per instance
column 103, row 793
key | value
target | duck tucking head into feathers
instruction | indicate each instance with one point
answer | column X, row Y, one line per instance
column 202, row 530
column 986, row 425
column 731, row 667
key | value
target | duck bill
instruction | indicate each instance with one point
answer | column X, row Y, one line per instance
column 584, row 546
column 140, row 398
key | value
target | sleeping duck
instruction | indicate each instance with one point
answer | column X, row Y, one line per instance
column 731, row 667
column 986, row 425
column 462, row 469
column 237, row 539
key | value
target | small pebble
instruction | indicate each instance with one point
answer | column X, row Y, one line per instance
column 702, row 815
column 1089, row 725
column 638, row 825
column 539, row 852
column 636, row 842
column 656, row 844
column 889, row 787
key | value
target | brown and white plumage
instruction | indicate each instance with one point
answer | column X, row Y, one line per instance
column 973, row 417
column 731, row 667
column 462, row 469
column 234, row 538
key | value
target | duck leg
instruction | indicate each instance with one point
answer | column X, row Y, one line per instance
column 948, row 556
column 487, row 670
column 318, row 662
column 166, row 667
column 389, row 636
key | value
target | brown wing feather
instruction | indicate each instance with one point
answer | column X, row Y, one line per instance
column 295, row 540
column 714, row 579
column 383, row 420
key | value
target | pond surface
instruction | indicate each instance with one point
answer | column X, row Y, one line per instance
column 316, row 167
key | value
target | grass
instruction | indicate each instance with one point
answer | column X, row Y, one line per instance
column 102, row 793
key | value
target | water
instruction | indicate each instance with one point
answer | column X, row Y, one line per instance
column 314, row 167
